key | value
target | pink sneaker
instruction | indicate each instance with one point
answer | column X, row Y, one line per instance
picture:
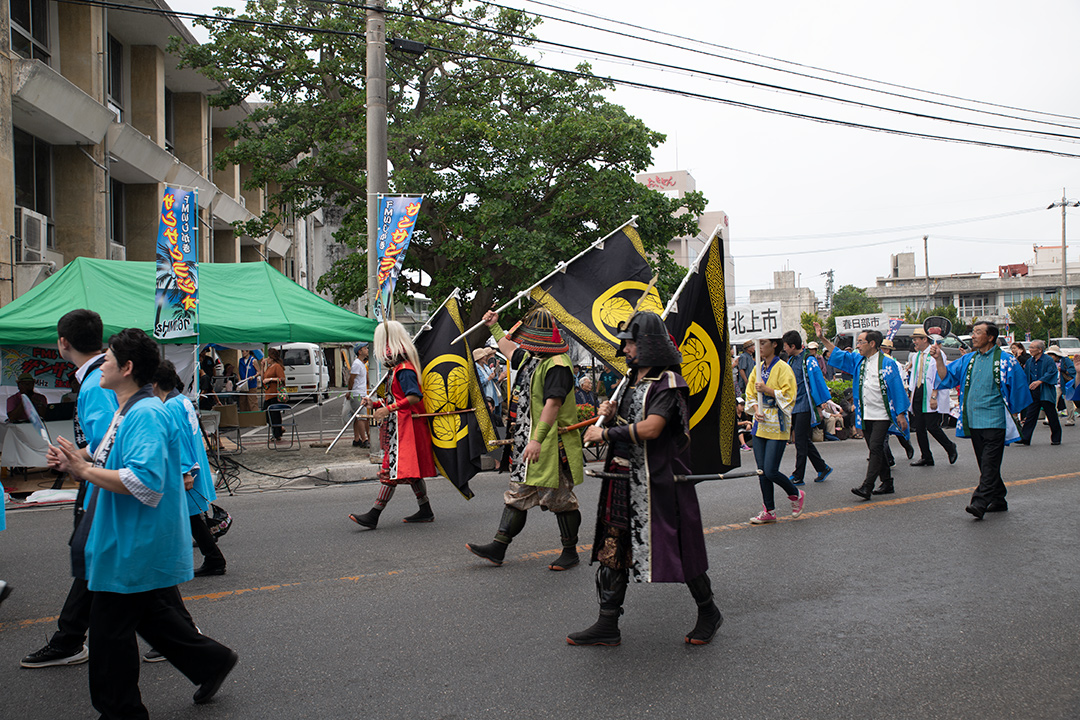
column 763, row 517
column 797, row 503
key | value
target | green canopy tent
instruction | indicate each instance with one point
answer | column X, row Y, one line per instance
column 238, row 303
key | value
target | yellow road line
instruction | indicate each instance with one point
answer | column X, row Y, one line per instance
column 17, row 624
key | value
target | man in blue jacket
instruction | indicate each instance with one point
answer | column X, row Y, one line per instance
column 992, row 388
column 881, row 402
column 1042, row 375
column 811, row 395
column 133, row 545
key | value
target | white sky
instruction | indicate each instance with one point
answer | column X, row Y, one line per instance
column 778, row 177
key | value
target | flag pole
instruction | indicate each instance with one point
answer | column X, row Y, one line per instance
column 426, row 326
column 561, row 267
column 689, row 273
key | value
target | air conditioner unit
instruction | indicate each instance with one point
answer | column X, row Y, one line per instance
column 117, row 251
column 33, row 228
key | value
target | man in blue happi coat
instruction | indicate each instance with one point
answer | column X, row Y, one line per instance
column 881, row 402
column 79, row 338
column 133, row 543
column 810, row 398
column 993, row 387
column 1042, row 376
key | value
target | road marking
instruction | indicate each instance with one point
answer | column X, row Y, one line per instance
column 18, row 624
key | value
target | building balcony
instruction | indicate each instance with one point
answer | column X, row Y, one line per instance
column 49, row 106
column 135, row 158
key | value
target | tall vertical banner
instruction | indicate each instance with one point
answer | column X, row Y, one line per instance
column 397, row 218
column 177, row 301
column 698, row 320
column 462, row 428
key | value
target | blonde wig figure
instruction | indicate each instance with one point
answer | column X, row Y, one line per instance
column 393, row 344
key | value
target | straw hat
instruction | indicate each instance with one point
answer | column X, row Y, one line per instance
column 1055, row 350
column 482, row 353
column 811, row 346
column 888, row 344
column 919, row 332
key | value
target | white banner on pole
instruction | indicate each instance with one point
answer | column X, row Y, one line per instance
column 855, row 324
column 750, row 322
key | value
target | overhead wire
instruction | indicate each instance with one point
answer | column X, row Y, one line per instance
column 571, row 73
column 780, row 60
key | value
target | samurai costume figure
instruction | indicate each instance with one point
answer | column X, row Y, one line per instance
column 545, row 465
column 405, row 438
column 648, row 526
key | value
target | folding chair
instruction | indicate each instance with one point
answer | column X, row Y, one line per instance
column 287, row 425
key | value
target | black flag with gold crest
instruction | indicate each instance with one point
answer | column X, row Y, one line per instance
column 698, row 322
column 598, row 290
column 462, row 426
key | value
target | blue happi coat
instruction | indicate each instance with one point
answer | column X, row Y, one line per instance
column 1013, row 383
column 896, row 398
column 192, row 453
column 141, row 542
column 815, row 385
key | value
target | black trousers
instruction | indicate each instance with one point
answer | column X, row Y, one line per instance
column 989, row 446
column 876, row 433
column 156, row 615
column 206, row 541
column 1031, row 419
column 273, row 418
column 74, row 619
column 925, row 424
column 804, row 445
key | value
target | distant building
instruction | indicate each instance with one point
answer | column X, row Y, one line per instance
column 978, row 296
column 687, row 249
column 794, row 300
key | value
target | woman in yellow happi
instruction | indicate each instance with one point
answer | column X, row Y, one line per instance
column 773, row 382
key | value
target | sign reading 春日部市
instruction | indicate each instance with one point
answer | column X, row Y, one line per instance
column 855, row 324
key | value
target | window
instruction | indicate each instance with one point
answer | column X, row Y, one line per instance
column 974, row 305
column 116, row 211
column 30, row 29
column 115, row 80
column 292, row 357
column 33, row 172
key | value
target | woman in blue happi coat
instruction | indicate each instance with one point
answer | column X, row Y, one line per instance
column 881, row 402
column 198, row 480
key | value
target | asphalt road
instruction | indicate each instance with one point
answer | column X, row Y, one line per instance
column 897, row 608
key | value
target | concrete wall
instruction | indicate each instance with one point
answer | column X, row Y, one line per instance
column 7, row 164
column 147, row 104
column 142, row 206
column 226, row 246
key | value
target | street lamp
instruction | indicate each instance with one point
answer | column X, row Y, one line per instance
column 1064, row 278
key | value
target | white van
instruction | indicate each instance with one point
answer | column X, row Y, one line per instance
column 306, row 374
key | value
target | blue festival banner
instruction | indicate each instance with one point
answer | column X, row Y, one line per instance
column 177, row 306
column 397, row 218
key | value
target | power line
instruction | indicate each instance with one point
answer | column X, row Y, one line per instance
column 821, row 251
column 578, row 74
column 906, row 228
column 787, row 62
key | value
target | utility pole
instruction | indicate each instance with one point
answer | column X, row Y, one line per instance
column 1064, row 277
column 926, row 264
column 376, row 137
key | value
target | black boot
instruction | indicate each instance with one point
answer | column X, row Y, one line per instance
column 369, row 519
column 611, row 590
column 513, row 520
column 709, row 618
column 569, row 522
column 865, row 490
column 885, row 489
column 423, row 515
column 213, row 559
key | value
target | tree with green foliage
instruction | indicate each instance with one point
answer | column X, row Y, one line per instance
column 520, row 168
column 1027, row 316
column 849, row 300
column 807, row 320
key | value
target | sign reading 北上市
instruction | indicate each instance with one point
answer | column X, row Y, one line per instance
column 855, row 324
column 750, row 322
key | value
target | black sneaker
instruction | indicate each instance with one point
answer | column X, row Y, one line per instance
column 49, row 656
column 152, row 656
column 5, row 590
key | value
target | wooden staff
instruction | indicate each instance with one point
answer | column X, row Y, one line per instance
column 578, row 426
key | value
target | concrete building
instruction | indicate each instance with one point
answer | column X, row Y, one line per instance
column 794, row 299
column 96, row 120
column 687, row 249
column 982, row 296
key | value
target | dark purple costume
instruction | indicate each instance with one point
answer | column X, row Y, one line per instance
column 647, row 523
